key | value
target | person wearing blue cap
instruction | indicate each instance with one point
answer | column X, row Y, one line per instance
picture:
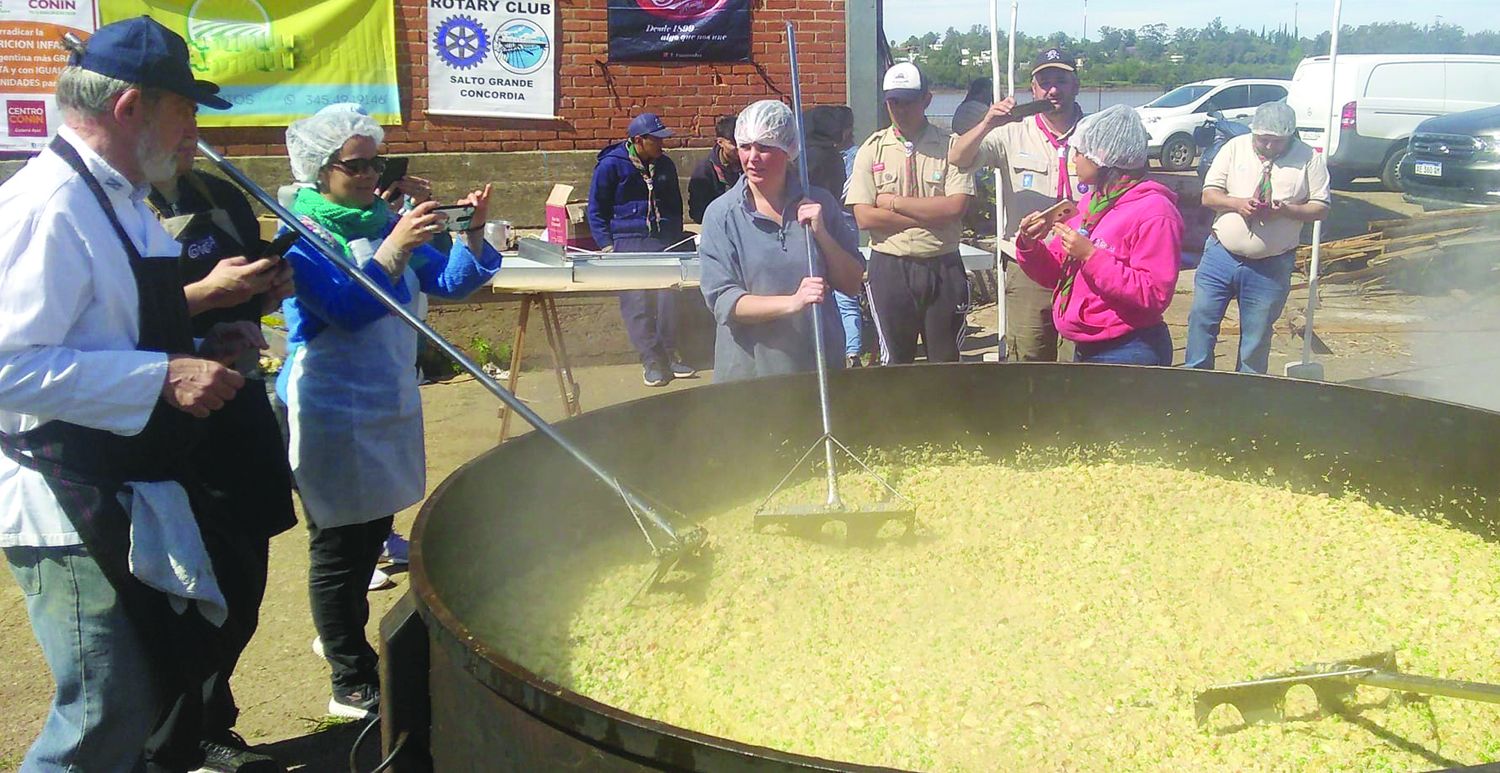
column 635, row 205
column 117, row 548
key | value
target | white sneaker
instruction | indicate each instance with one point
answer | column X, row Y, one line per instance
column 396, row 551
column 380, row 580
column 318, row 647
column 357, row 704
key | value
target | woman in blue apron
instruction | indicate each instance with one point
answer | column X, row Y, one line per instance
column 353, row 411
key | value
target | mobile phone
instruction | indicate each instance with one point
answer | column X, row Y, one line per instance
column 1028, row 109
column 277, row 247
column 395, row 169
column 1060, row 212
column 458, row 216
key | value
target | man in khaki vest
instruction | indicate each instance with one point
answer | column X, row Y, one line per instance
column 1034, row 170
column 911, row 200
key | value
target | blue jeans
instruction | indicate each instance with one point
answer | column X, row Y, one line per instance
column 1260, row 287
column 853, row 321
column 1147, row 346
column 105, row 704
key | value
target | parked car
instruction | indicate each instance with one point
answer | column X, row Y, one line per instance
column 1380, row 99
column 1172, row 117
column 1454, row 160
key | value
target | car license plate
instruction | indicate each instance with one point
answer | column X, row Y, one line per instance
column 1429, row 168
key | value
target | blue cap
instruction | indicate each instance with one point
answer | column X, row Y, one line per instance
column 142, row 51
column 648, row 124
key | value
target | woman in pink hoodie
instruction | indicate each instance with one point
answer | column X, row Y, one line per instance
column 1113, row 266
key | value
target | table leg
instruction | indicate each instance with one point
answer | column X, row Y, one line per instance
column 515, row 365
column 561, row 365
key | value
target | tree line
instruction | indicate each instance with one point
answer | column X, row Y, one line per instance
column 1155, row 56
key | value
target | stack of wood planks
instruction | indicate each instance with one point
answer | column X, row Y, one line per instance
column 1395, row 250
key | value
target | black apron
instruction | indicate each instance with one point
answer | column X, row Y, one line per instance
column 241, row 459
column 86, row 467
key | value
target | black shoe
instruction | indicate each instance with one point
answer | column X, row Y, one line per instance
column 681, row 369
column 654, row 375
column 229, row 753
column 361, row 703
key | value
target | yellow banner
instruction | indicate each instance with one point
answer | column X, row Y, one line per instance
column 280, row 60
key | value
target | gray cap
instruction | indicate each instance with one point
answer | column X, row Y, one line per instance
column 1114, row 137
column 1274, row 118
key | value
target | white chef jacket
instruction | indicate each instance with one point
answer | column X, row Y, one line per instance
column 69, row 322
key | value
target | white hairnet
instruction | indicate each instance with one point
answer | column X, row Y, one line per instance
column 312, row 141
column 1275, row 118
column 1114, row 137
column 768, row 122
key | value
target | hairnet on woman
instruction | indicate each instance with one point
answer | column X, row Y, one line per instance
column 753, row 252
column 1112, row 266
column 350, row 380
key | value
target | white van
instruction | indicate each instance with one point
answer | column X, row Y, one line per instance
column 1172, row 117
column 1380, row 99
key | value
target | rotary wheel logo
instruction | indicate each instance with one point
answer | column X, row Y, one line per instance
column 521, row 46
column 680, row 10
column 461, row 42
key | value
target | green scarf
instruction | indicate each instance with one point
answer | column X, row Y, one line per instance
column 341, row 222
column 1267, row 163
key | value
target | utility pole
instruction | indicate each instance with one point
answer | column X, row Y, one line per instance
column 1295, row 33
column 862, row 31
column 1085, row 21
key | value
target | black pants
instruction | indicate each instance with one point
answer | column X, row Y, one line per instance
column 911, row 297
column 218, row 709
column 341, row 560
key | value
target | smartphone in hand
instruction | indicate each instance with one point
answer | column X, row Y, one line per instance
column 395, row 169
column 457, row 217
column 1028, row 109
column 277, row 247
column 1060, row 212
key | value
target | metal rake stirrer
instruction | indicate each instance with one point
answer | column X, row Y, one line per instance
column 834, row 507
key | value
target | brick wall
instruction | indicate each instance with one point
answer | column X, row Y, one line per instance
column 595, row 99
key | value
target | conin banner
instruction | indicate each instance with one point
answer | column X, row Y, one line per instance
column 679, row 30
column 31, row 56
column 492, row 58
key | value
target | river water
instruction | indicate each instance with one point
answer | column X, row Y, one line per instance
column 1092, row 100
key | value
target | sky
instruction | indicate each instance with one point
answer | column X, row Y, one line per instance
column 904, row 18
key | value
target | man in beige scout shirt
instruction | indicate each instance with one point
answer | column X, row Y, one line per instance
column 1034, row 171
column 911, row 200
column 1264, row 185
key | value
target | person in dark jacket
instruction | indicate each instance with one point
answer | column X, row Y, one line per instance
column 825, row 145
column 635, row 205
column 240, row 459
column 717, row 172
column 830, row 130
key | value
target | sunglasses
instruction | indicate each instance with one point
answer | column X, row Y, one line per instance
column 358, row 166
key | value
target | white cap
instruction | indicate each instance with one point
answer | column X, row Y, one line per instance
column 767, row 122
column 312, row 141
column 904, row 81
